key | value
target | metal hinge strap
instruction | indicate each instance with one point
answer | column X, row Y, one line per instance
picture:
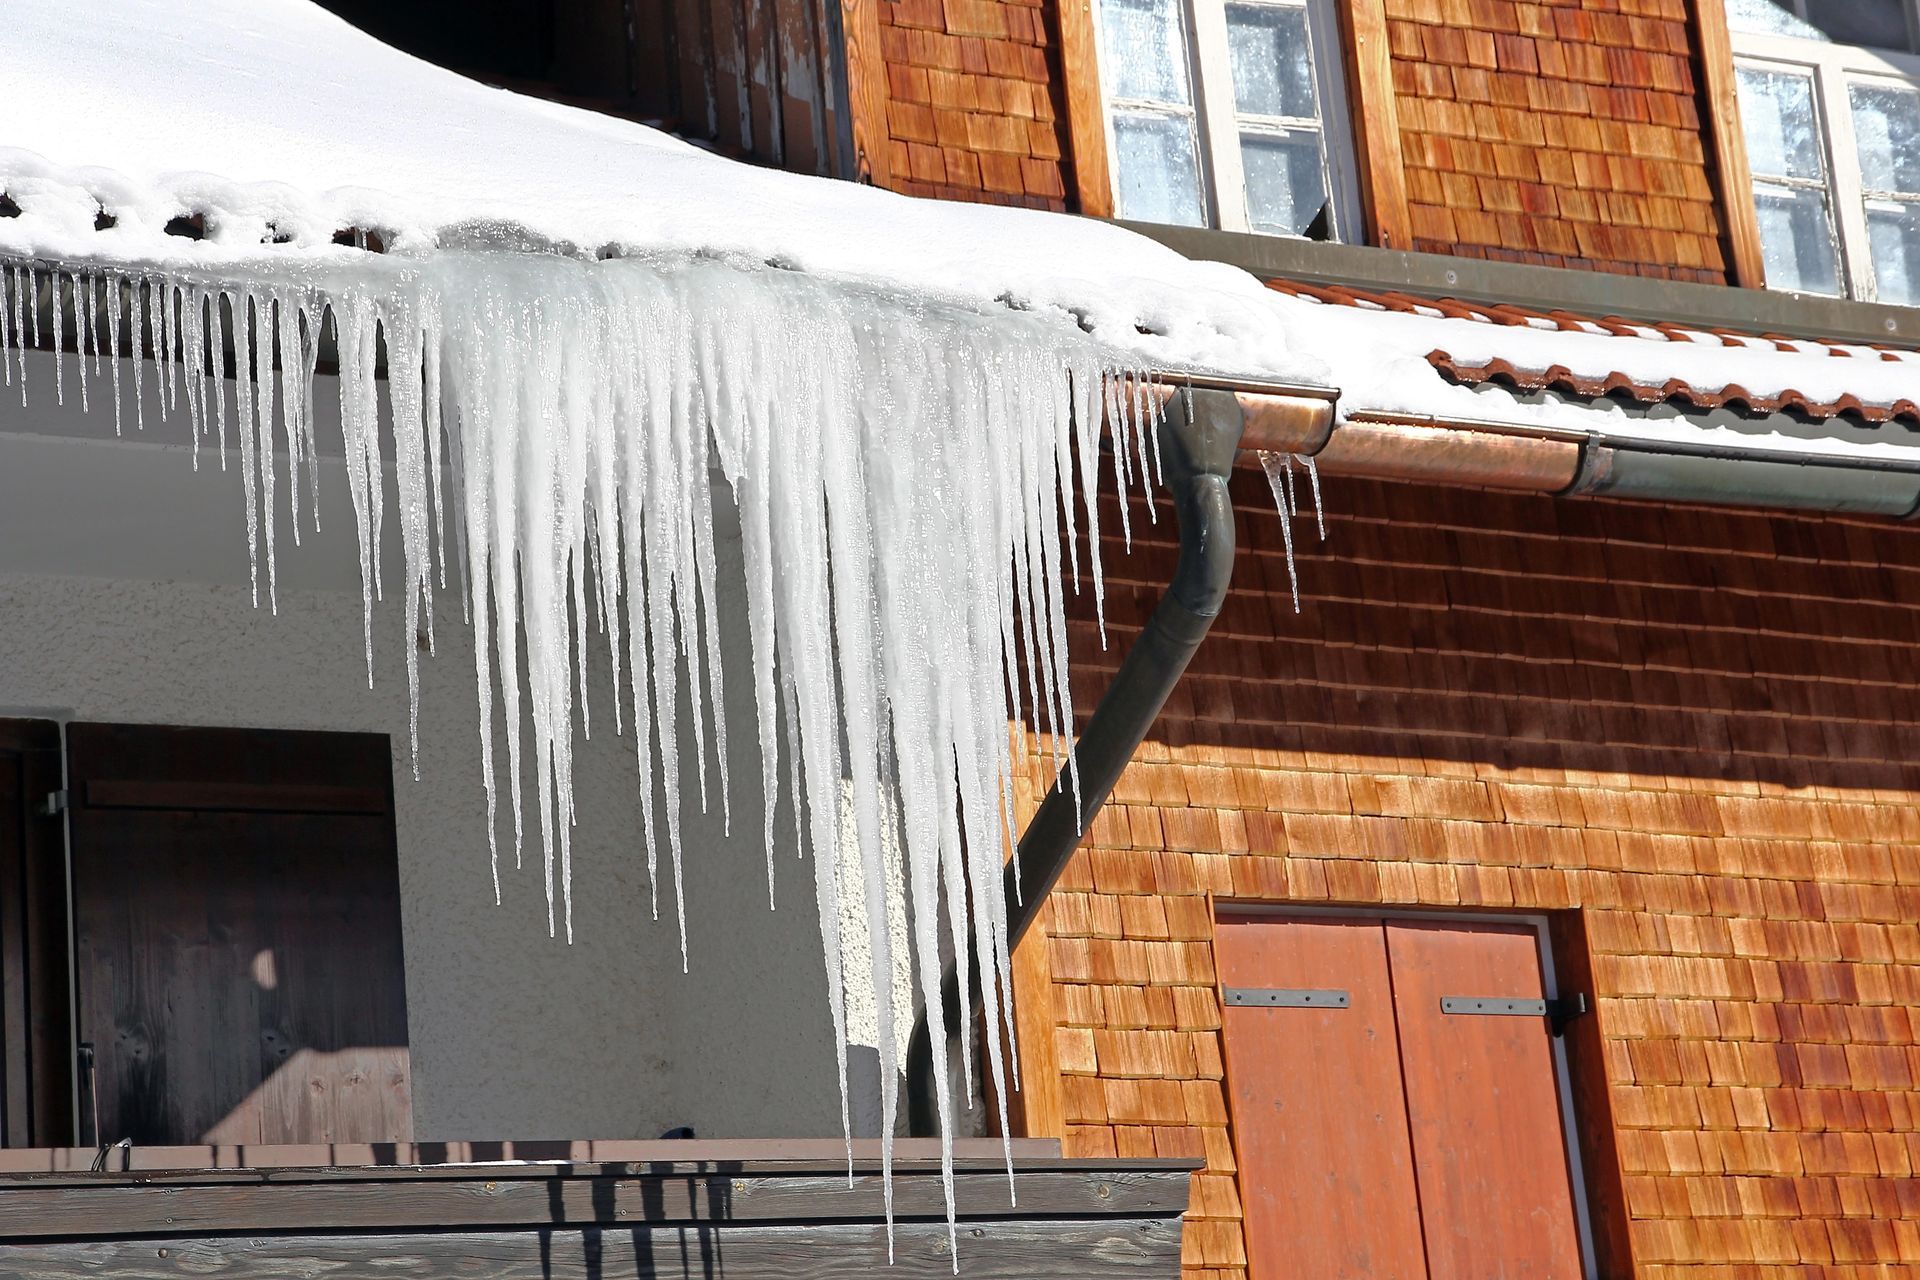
column 1286, row 998
column 53, row 804
column 1559, row 1012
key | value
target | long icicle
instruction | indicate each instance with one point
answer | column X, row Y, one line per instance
column 902, row 472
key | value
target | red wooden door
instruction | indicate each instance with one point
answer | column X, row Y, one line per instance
column 1483, row 1101
column 1393, row 1137
column 1326, row 1169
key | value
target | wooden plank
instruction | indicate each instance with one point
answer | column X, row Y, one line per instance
column 1036, row 1109
column 36, row 1059
column 1319, row 1128
column 793, row 62
column 866, row 90
column 1483, row 1104
column 1086, row 108
column 1713, row 47
column 537, row 1159
column 285, row 797
column 1029, row 1250
column 14, row 1073
column 29, row 1211
column 1585, row 1048
column 1376, row 133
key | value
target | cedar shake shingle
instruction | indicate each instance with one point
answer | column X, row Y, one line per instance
column 1694, row 727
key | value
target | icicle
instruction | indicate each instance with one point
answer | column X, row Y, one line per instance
column 1275, row 465
column 59, row 345
column 23, row 285
column 112, row 284
column 7, row 287
column 903, row 473
column 1313, row 477
column 82, row 333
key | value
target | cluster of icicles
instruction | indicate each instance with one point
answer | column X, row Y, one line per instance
column 903, row 473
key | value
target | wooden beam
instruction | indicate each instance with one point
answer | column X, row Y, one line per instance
column 1376, row 125
column 866, row 91
column 1713, row 46
column 493, row 1200
column 1087, row 1249
column 1036, row 1109
column 1086, row 109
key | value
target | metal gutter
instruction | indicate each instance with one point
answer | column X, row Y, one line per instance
column 1200, row 436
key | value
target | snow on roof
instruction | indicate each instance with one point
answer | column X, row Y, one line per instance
column 281, row 125
column 1394, row 354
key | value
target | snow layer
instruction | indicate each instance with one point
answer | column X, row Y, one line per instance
column 279, row 122
column 1378, row 359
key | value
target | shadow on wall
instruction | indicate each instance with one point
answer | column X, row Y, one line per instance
column 1556, row 641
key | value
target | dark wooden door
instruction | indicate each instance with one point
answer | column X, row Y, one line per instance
column 237, row 934
column 1380, row 1132
column 36, row 1047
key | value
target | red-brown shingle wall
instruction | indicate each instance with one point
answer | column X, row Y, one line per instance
column 971, row 110
column 1699, row 729
column 1557, row 132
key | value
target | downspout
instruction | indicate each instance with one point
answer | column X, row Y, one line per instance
column 1199, row 436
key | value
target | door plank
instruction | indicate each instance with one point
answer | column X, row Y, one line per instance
column 36, row 1045
column 1320, row 1130
column 1483, row 1104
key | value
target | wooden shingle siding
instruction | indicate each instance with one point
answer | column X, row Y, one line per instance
column 1556, row 132
column 974, row 109
column 1695, row 733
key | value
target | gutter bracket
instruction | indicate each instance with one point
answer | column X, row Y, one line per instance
column 1199, row 436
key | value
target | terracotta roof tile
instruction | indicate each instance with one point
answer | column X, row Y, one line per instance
column 1616, row 383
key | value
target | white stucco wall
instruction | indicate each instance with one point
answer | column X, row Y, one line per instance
column 123, row 598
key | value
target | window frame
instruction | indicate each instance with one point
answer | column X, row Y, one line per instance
column 1910, row 7
column 1832, row 69
column 1217, row 125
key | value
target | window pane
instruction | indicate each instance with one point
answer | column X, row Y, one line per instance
column 1796, row 238
column 1159, row 175
column 1145, row 50
column 1286, row 189
column 1880, row 23
column 1770, row 18
column 1272, row 69
column 1783, row 134
column 1893, row 230
column 1886, row 123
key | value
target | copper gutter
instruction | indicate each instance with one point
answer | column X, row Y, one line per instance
column 1432, row 453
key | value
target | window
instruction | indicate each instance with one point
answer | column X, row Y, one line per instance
column 1229, row 113
column 1833, row 140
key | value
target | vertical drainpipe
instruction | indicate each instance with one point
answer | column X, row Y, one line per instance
column 1198, row 437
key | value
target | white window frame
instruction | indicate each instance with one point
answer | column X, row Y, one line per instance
column 1833, row 67
column 1223, row 188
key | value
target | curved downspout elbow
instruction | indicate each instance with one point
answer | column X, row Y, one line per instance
column 1199, row 437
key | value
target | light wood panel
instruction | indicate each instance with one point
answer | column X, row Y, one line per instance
column 1483, row 1105
column 1376, row 127
column 1086, row 108
column 1320, row 1128
column 1728, row 140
